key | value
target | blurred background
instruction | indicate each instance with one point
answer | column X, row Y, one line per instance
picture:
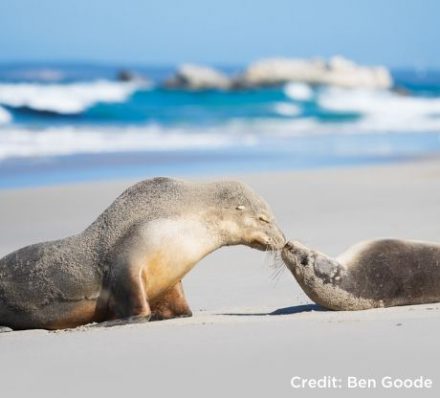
column 113, row 89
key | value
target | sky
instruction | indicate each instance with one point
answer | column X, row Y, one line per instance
column 395, row 33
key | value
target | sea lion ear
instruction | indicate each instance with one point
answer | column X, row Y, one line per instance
column 240, row 207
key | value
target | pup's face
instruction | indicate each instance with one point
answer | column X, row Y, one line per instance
column 307, row 265
column 297, row 257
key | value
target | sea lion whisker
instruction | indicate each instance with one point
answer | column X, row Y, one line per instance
column 276, row 274
column 272, row 258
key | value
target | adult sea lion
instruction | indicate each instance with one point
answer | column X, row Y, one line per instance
column 371, row 274
column 129, row 263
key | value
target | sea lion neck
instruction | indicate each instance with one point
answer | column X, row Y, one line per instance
column 117, row 221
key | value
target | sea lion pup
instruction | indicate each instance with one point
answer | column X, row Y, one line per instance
column 371, row 274
column 129, row 263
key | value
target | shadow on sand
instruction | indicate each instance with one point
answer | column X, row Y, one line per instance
column 281, row 311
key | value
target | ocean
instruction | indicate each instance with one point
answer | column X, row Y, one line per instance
column 71, row 123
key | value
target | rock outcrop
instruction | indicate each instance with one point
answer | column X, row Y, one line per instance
column 195, row 77
column 337, row 71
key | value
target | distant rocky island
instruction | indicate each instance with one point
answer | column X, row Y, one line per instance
column 337, row 71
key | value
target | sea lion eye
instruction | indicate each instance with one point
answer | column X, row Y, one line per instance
column 240, row 207
column 304, row 259
column 264, row 219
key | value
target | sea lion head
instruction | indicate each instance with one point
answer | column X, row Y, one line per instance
column 246, row 218
column 309, row 266
column 322, row 278
column 298, row 259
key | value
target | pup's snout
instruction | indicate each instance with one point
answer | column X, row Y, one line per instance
column 288, row 245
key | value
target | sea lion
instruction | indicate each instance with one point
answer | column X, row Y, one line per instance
column 129, row 263
column 371, row 274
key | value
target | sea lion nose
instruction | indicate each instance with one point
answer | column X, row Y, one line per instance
column 288, row 245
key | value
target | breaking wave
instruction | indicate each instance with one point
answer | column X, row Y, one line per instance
column 5, row 116
column 71, row 141
column 66, row 99
column 383, row 111
column 286, row 109
column 298, row 91
column 264, row 133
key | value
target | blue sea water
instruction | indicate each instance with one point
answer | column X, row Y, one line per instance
column 64, row 123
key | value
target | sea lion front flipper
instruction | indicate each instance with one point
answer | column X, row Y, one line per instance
column 128, row 300
column 172, row 304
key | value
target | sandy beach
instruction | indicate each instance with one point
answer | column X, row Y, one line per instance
column 252, row 329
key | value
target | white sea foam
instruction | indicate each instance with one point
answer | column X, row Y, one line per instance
column 64, row 98
column 68, row 141
column 374, row 102
column 384, row 110
column 271, row 130
column 286, row 109
column 239, row 133
column 298, row 91
column 5, row 116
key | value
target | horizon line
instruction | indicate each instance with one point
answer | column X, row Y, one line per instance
column 174, row 64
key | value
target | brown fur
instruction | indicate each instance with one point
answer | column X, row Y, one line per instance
column 171, row 304
column 81, row 313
